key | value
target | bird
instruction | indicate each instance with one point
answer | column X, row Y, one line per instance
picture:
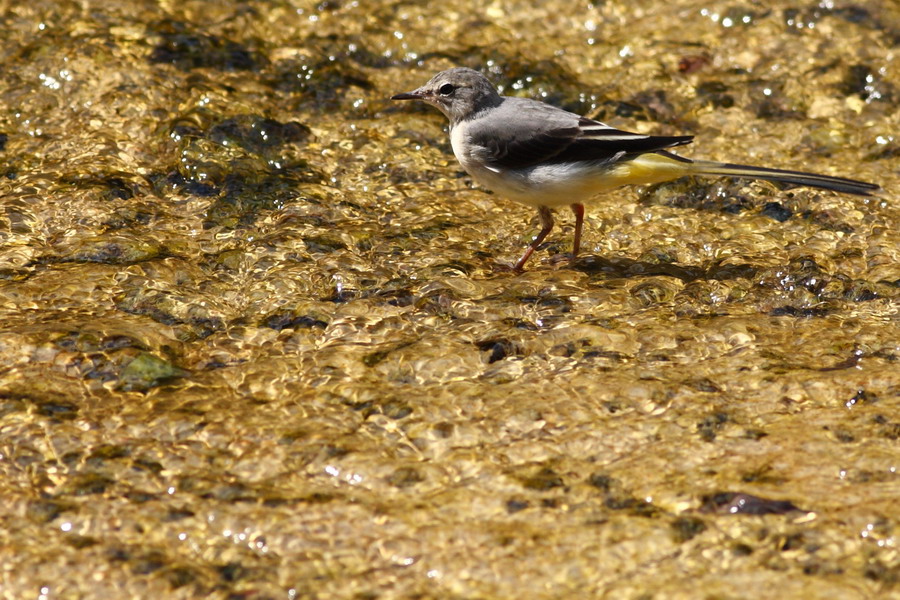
column 546, row 157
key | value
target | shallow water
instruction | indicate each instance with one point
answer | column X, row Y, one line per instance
column 259, row 339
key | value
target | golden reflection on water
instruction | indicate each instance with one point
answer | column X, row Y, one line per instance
column 258, row 338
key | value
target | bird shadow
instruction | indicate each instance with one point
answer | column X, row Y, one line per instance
column 622, row 267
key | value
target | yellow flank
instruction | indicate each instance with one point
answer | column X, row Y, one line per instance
column 647, row 168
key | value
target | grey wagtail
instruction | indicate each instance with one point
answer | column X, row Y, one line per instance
column 547, row 157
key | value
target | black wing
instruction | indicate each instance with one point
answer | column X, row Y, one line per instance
column 583, row 140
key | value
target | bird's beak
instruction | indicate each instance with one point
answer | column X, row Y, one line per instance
column 413, row 95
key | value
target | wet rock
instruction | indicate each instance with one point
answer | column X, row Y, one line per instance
column 653, row 293
column 86, row 484
column 691, row 63
column 685, row 529
column 702, row 194
column 802, row 312
column 630, row 505
column 498, row 348
column 710, row 426
column 542, row 480
column 113, row 249
column 186, row 49
column 290, row 320
column 322, row 81
column 715, row 93
column 733, row 503
column 257, row 134
column 45, row 510
column 147, row 371
column 55, row 409
column 200, row 319
column 405, row 477
column 777, row 211
column 863, row 81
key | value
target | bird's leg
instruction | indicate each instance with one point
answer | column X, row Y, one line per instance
column 578, row 209
column 546, row 226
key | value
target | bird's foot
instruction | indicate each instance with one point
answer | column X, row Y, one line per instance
column 499, row 267
column 563, row 257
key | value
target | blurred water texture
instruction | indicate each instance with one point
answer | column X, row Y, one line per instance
column 257, row 338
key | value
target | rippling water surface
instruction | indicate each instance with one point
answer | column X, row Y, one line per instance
column 258, row 337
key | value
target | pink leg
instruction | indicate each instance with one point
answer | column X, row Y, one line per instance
column 578, row 209
column 546, row 226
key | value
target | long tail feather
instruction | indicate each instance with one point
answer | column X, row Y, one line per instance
column 825, row 182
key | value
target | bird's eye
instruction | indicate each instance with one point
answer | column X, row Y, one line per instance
column 447, row 89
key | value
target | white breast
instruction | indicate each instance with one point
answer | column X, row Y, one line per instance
column 506, row 182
